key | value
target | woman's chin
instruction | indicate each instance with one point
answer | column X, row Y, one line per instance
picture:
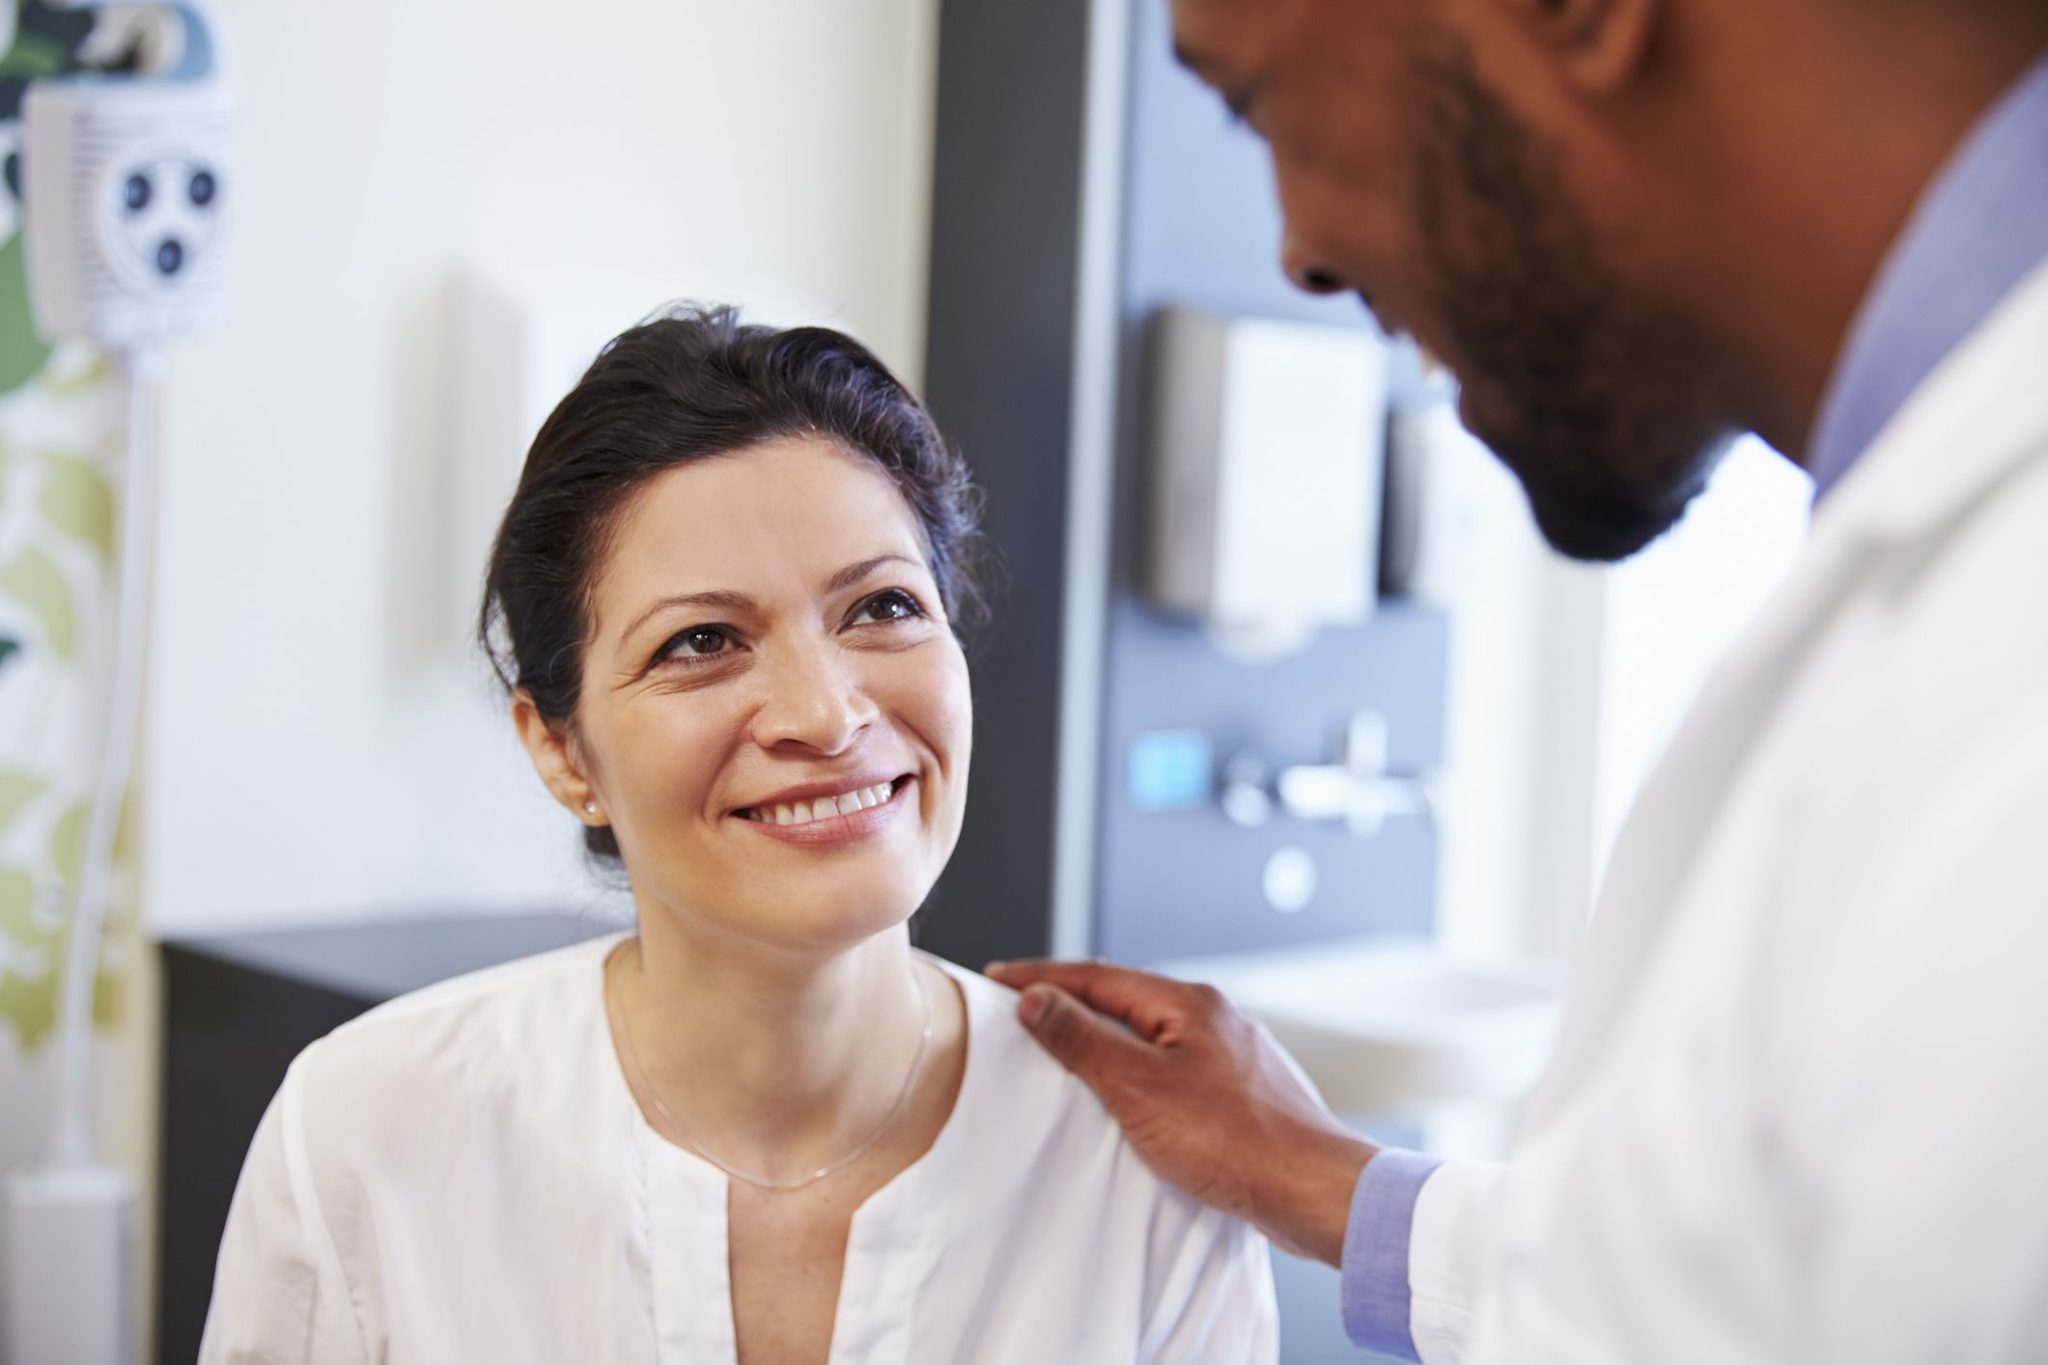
column 812, row 914
column 829, row 929
column 809, row 897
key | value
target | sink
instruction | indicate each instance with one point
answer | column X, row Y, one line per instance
column 1395, row 1026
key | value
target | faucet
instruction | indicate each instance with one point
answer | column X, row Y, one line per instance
column 1357, row 788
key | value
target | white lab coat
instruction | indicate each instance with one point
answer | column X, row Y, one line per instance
column 462, row 1175
column 1798, row 1112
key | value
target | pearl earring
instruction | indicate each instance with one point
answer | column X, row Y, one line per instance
column 590, row 807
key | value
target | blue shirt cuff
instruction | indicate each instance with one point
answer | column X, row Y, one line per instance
column 1375, row 1290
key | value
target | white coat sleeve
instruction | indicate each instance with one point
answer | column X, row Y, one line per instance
column 1915, row 1086
column 1448, row 1244
column 1208, row 1290
column 278, row 1291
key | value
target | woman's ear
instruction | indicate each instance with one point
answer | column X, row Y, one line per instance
column 554, row 758
column 1598, row 46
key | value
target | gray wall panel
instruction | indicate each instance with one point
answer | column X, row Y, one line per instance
column 1203, row 230
column 1200, row 228
column 1006, row 206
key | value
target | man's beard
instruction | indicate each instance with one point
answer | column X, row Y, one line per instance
column 1597, row 397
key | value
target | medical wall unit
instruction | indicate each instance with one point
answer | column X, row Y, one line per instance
column 128, row 190
column 1265, row 445
column 124, row 180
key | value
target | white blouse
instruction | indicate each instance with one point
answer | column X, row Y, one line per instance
column 463, row 1175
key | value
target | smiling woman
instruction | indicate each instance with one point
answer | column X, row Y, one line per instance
column 724, row 602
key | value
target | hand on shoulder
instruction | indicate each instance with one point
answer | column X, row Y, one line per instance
column 1204, row 1095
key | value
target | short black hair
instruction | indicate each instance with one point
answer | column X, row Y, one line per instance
column 691, row 383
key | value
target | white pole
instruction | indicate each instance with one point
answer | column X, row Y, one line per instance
column 71, row 1253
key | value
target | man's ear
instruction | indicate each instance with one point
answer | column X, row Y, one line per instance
column 1600, row 46
column 554, row 758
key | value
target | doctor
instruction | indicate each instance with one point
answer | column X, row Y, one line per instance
column 1799, row 1108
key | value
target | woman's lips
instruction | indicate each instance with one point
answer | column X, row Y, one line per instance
column 853, row 815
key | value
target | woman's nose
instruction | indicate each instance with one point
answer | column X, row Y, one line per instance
column 815, row 701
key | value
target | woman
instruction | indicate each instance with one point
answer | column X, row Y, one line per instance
column 761, row 1128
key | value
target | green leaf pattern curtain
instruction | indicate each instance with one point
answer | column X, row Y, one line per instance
column 61, row 427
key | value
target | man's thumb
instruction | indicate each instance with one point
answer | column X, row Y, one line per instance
column 1038, row 1001
column 1092, row 1047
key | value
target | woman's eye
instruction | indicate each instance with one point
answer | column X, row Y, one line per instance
column 893, row 605
column 697, row 642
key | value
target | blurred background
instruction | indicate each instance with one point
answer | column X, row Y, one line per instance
column 1283, row 690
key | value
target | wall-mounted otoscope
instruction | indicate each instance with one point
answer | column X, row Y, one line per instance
column 128, row 189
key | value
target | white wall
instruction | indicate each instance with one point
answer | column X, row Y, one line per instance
column 1568, row 680
column 319, row 744
column 1514, row 802
column 1674, row 610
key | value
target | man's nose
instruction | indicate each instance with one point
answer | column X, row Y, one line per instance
column 814, row 701
column 1305, row 273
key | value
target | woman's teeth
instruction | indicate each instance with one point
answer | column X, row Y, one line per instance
column 824, row 808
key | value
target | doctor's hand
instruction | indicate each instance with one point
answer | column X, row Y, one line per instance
column 1204, row 1095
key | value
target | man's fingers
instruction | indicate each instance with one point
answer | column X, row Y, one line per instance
column 1146, row 1002
column 1091, row 1046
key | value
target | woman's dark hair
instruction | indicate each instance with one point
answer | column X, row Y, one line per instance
column 687, row 384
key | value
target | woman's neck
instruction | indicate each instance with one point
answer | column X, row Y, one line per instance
column 771, row 1060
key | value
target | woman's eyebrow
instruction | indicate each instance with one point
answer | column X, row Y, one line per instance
column 854, row 573
column 718, row 600
column 724, row 599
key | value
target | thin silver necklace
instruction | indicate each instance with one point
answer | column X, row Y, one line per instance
column 675, row 1128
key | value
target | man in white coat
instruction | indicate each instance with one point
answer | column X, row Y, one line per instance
column 1799, row 1105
